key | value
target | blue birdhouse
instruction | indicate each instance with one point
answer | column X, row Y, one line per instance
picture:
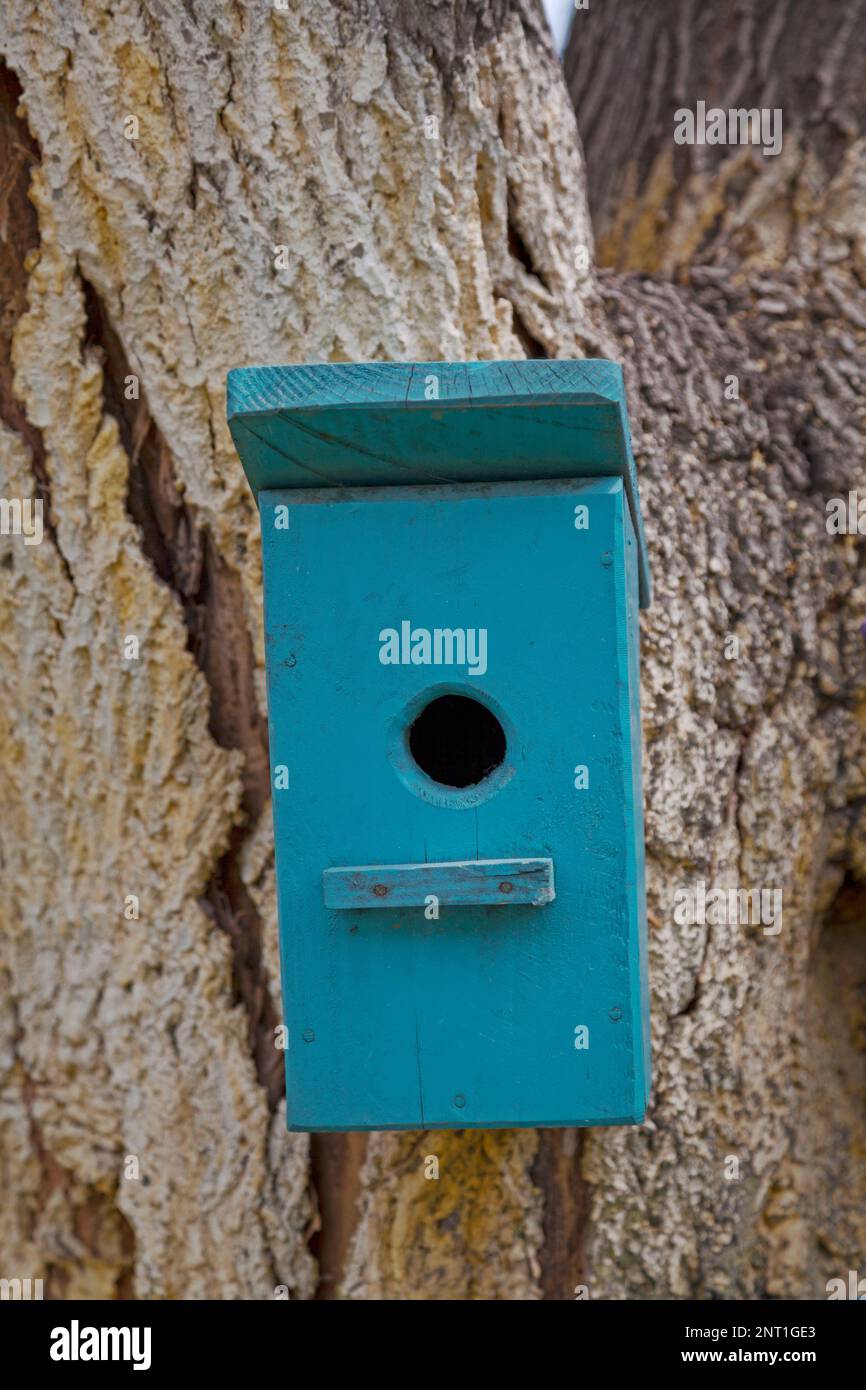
column 453, row 565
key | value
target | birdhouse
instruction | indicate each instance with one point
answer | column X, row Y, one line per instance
column 453, row 565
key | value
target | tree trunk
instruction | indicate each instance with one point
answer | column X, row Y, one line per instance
column 745, row 361
column 420, row 164
column 661, row 206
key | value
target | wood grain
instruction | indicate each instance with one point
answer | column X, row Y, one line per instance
column 464, row 883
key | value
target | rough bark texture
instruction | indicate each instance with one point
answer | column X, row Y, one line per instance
column 155, row 257
column 659, row 206
column 755, row 765
column 153, row 1038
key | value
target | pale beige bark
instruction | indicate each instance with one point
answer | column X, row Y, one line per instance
column 155, row 257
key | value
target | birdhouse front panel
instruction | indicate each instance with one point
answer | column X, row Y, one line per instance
column 453, row 564
column 452, row 679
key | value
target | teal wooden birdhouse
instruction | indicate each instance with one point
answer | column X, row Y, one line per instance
column 453, row 565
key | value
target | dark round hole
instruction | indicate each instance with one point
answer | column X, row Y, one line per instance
column 457, row 741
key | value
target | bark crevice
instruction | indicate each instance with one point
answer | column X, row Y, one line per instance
column 556, row 1172
column 19, row 243
column 92, row 1212
column 185, row 557
column 336, row 1161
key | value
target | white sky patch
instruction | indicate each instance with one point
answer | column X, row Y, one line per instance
column 559, row 15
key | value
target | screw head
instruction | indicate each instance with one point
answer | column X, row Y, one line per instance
column 459, row 1100
column 308, row 1035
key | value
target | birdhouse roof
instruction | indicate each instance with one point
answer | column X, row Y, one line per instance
column 392, row 423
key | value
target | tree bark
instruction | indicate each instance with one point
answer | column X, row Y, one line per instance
column 747, row 275
column 660, row 206
column 153, row 257
column 421, row 164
